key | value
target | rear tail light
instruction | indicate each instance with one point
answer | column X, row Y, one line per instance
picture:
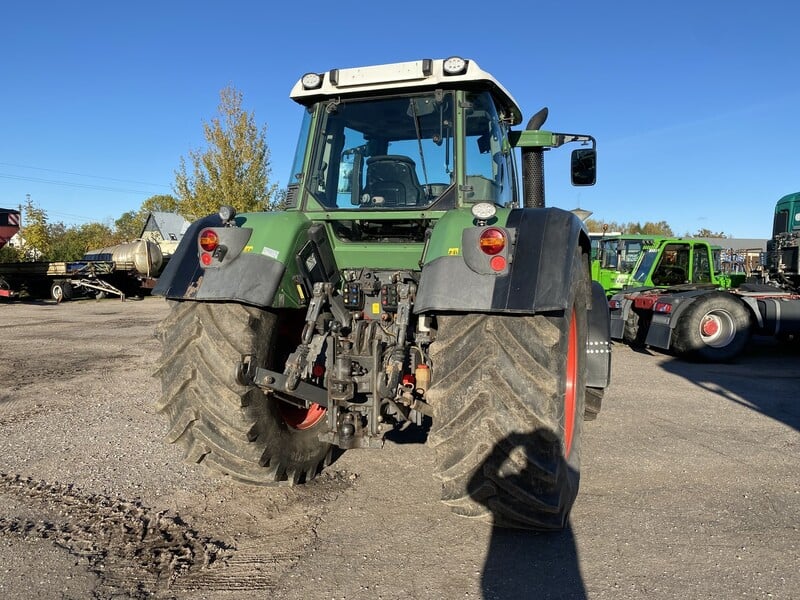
column 209, row 243
column 209, row 240
column 662, row 307
column 492, row 241
column 498, row 263
column 614, row 304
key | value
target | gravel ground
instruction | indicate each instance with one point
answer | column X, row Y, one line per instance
column 690, row 488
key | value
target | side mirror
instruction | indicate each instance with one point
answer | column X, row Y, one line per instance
column 584, row 166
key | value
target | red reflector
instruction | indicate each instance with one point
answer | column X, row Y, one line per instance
column 498, row 263
column 205, row 258
column 492, row 241
column 662, row 307
column 318, row 370
column 614, row 304
column 209, row 240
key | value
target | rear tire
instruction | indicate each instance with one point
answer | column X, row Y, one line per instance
column 714, row 328
column 233, row 429
column 632, row 333
column 61, row 291
column 594, row 402
column 508, row 396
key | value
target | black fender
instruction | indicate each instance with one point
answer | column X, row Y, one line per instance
column 598, row 350
column 659, row 332
column 251, row 279
column 619, row 316
column 183, row 268
column 537, row 278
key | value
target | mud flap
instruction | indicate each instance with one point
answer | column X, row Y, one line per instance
column 598, row 351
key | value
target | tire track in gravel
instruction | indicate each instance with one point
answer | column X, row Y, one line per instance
column 130, row 547
column 138, row 552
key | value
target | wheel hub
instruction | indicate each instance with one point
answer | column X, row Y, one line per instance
column 710, row 326
column 717, row 328
column 301, row 418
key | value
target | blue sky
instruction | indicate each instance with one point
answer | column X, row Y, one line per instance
column 695, row 106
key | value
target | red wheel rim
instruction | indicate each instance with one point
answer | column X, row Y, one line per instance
column 570, row 392
column 301, row 418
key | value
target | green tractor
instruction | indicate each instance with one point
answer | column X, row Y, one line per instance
column 408, row 283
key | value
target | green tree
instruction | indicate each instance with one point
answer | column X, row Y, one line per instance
column 279, row 199
column 160, row 203
column 9, row 254
column 632, row 227
column 707, row 233
column 130, row 224
column 71, row 243
column 96, row 235
column 598, row 226
column 65, row 245
column 234, row 169
column 35, row 233
column 659, row 228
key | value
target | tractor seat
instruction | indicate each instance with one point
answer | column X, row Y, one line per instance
column 394, row 178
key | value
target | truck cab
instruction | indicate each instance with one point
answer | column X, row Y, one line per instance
column 614, row 258
column 672, row 262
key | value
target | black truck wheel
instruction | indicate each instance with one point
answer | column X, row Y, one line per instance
column 714, row 328
column 633, row 333
column 61, row 291
column 508, row 397
column 593, row 404
column 234, row 429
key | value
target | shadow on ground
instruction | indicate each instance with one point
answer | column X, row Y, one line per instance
column 527, row 565
column 525, row 481
column 756, row 380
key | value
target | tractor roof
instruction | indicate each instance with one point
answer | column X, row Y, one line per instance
column 423, row 74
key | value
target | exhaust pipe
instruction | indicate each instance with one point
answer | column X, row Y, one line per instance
column 533, row 167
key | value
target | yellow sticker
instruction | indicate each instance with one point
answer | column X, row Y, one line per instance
column 248, row 249
column 376, row 308
column 453, row 252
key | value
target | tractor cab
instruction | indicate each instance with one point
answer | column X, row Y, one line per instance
column 783, row 250
column 787, row 215
column 435, row 139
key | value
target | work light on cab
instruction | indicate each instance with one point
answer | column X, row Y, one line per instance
column 455, row 65
column 311, row 81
